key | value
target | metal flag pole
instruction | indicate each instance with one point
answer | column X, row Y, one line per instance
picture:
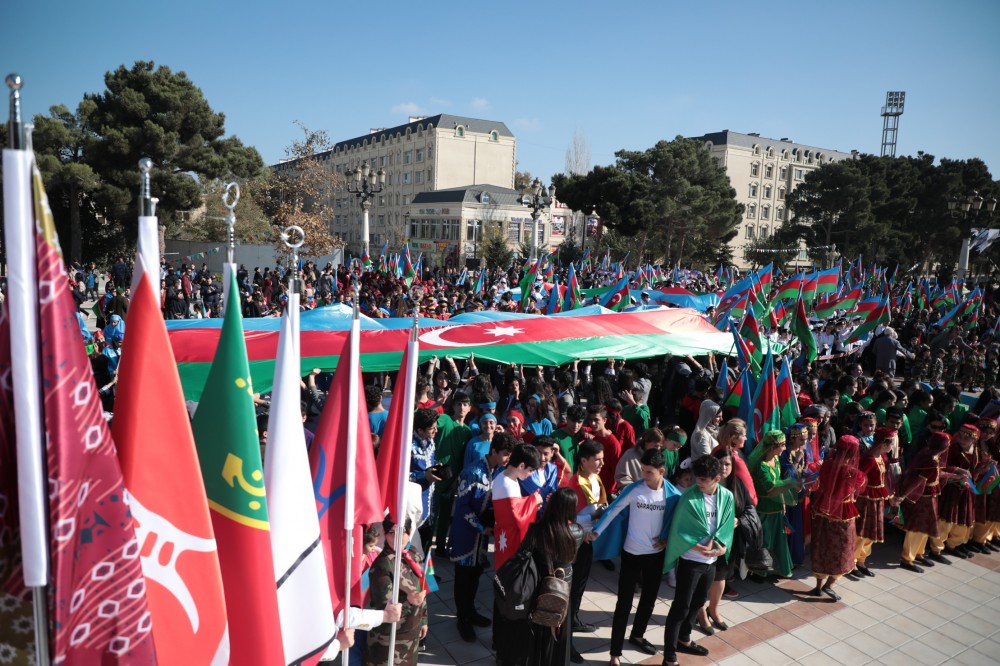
column 352, row 451
column 22, row 308
column 230, row 198
column 149, row 233
column 406, row 436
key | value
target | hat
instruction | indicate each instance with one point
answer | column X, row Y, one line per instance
column 883, row 433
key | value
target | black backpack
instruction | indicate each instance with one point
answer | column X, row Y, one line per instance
column 514, row 585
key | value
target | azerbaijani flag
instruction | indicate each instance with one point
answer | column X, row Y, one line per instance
column 574, row 298
column 846, row 302
column 788, row 406
column 826, row 281
column 480, row 281
column 800, row 327
column 766, row 415
column 880, row 315
column 791, row 287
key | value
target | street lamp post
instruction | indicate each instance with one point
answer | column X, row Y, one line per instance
column 968, row 210
column 364, row 184
column 537, row 199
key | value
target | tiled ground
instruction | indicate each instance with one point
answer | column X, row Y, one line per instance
column 948, row 615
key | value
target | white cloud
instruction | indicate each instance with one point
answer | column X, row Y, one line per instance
column 481, row 103
column 528, row 123
column 409, row 109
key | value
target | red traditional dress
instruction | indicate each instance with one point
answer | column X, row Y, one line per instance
column 872, row 498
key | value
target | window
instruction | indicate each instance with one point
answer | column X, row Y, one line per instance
column 755, row 169
column 414, row 227
column 406, row 199
column 339, row 168
column 765, row 213
column 756, row 149
column 381, row 220
column 430, row 175
column 749, row 232
column 494, row 136
column 770, row 152
column 430, row 152
column 783, row 174
column 381, row 200
column 381, row 161
column 459, row 131
column 407, row 178
column 420, row 154
column 514, row 232
column 752, row 211
column 769, row 171
column 781, row 193
column 484, row 198
column 407, row 157
column 420, row 177
column 767, row 191
column 784, row 155
column 753, row 189
column 799, row 174
column 763, row 231
column 779, row 214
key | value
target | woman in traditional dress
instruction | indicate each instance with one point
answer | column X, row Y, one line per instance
column 872, row 498
column 919, row 490
column 772, row 491
column 793, row 466
column 834, row 513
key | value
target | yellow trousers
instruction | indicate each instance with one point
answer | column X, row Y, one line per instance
column 862, row 549
column 950, row 535
column 914, row 544
column 983, row 532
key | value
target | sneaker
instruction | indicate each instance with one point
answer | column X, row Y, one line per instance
column 730, row 592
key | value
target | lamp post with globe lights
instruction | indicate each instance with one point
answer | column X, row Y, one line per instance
column 968, row 210
column 537, row 198
column 365, row 184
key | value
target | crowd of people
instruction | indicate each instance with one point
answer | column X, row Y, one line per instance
column 638, row 466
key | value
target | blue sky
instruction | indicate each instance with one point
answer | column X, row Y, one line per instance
column 624, row 74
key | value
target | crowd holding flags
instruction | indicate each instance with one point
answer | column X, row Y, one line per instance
column 166, row 541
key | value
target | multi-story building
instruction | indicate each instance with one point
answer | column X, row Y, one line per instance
column 424, row 155
column 448, row 226
column 763, row 172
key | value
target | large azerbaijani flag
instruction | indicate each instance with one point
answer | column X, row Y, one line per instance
column 225, row 431
column 584, row 334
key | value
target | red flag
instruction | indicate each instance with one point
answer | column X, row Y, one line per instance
column 166, row 493
column 98, row 612
column 514, row 514
column 328, row 462
column 394, row 449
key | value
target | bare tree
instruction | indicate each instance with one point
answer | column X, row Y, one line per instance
column 578, row 154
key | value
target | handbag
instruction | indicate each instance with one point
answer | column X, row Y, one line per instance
column 551, row 604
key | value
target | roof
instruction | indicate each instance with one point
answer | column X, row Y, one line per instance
column 471, row 194
column 444, row 120
column 726, row 137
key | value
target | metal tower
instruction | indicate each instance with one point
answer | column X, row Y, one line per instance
column 891, row 112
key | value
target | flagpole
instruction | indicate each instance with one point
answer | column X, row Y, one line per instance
column 233, row 191
column 352, row 450
column 406, row 437
column 149, row 233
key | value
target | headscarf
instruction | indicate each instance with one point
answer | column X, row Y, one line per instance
column 707, row 412
column 517, row 431
column 839, row 477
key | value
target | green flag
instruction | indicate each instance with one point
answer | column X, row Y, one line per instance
column 225, row 432
column 800, row 327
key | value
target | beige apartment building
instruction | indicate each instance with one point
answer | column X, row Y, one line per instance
column 424, row 155
column 763, row 172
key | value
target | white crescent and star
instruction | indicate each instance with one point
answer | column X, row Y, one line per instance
column 498, row 332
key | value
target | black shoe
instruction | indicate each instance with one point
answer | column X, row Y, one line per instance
column 580, row 627
column 965, row 550
column 941, row 559
column 854, row 574
column 865, row 571
column 575, row 656
column 992, row 546
column 829, row 591
column 974, row 548
column 718, row 624
column 480, row 620
column 924, row 560
column 910, row 566
column 815, row 592
column 692, row 648
column 642, row 645
column 423, row 645
column 957, row 554
column 705, row 629
column 466, row 631
column 607, row 564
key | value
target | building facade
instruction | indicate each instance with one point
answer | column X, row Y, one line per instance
column 448, row 226
column 763, row 172
column 424, row 155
